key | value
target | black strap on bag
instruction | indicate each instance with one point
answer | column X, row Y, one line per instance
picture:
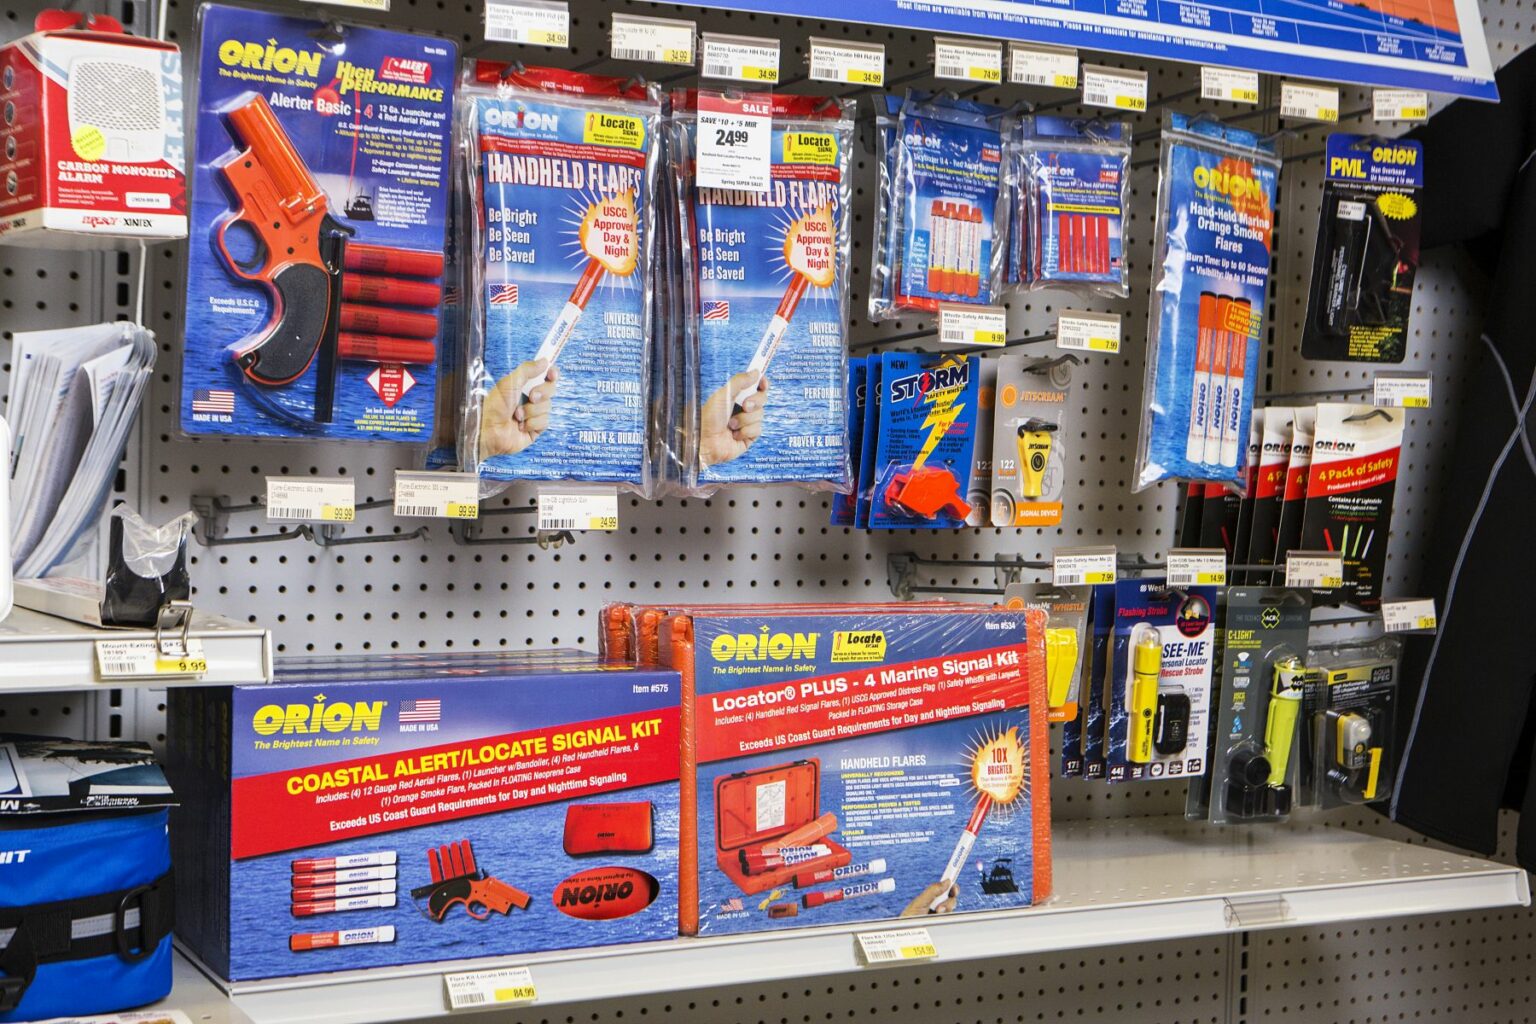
column 44, row 933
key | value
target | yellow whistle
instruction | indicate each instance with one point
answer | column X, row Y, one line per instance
column 1060, row 664
column 1034, row 456
column 1284, row 706
column 1146, row 667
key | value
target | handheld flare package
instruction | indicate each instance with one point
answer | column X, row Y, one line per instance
column 767, row 299
column 1215, row 216
column 562, row 173
column 320, row 191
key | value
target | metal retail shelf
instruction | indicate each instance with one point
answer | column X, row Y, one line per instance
column 1138, row 880
column 44, row 653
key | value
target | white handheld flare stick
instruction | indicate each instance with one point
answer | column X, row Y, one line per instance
column 962, row 852
column 772, row 335
column 565, row 324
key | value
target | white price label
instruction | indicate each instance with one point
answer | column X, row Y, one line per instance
column 967, row 60
column 1309, row 102
column 972, row 325
column 437, row 495
column 1400, row 105
column 318, row 499
column 502, row 986
column 1088, row 332
column 744, row 58
column 1233, row 84
column 143, row 659
column 528, row 22
column 1318, row 570
column 733, row 142
column 1416, row 615
column 1196, row 567
column 657, row 40
column 1075, row 567
column 1115, row 88
column 367, row 5
column 579, row 510
column 833, row 60
column 1406, row 391
column 896, row 946
column 1054, row 67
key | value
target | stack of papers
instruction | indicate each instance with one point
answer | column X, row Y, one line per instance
column 74, row 395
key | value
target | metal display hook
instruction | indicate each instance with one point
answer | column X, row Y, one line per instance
column 213, row 514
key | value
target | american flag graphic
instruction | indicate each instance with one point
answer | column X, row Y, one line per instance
column 734, row 903
column 215, row 401
column 717, row 310
column 451, row 295
column 504, row 293
column 421, row 710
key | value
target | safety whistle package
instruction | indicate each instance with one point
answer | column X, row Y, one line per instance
column 561, row 175
column 1073, row 183
column 1350, row 486
column 924, row 441
column 1264, row 678
column 946, row 206
column 1160, row 680
column 1066, row 639
column 1082, row 738
column 768, row 299
column 1030, row 448
column 1215, row 215
column 1350, row 706
column 319, row 197
column 1367, row 250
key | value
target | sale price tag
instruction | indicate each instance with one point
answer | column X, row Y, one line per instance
column 579, row 510
column 502, row 986
column 317, row 499
column 437, row 495
column 733, row 142
column 657, row 40
column 1400, row 105
column 967, row 60
column 1088, row 332
column 972, row 325
column 1232, row 84
column 1193, row 567
column 1115, row 88
column 1403, row 391
column 1317, row 570
column 1054, row 67
column 1409, row 615
column 743, row 58
column 896, row 946
column 528, row 22
column 143, row 659
column 1075, row 567
column 834, row 60
column 1309, row 102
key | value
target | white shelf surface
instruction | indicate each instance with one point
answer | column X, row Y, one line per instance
column 1138, row 880
column 40, row 653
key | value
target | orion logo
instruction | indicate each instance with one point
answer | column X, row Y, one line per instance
column 943, row 378
column 1334, row 446
column 533, row 120
column 13, row 856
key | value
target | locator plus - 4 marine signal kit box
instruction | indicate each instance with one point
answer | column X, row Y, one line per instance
column 855, row 764
column 476, row 808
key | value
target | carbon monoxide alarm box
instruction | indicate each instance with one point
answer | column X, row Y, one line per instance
column 92, row 150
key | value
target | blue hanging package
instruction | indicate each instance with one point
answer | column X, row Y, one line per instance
column 86, row 905
column 925, row 440
column 1072, row 185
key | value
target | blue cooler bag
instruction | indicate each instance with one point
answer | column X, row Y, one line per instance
column 85, row 912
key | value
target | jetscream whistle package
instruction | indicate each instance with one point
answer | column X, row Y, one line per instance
column 562, row 170
column 925, row 440
column 1030, row 449
column 767, row 298
column 94, row 147
column 1349, row 708
column 388, row 811
column 1215, row 215
column 1264, row 677
column 1350, row 486
column 1074, row 178
column 862, row 764
column 1367, row 250
column 1160, row 680
column 1066, row 639
column 320, row 188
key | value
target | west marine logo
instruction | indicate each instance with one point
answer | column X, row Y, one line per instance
column 13, row 856
column 764, row 646
column 269, row 56
column 318, row 716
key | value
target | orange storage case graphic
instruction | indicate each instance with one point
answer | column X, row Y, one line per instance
column 755, row 808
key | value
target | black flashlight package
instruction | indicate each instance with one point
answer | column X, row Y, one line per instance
column 1350, row 708
column 1264, row 678
column 1367, row 250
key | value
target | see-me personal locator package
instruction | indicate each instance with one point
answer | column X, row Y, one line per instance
column 320, row 187
column 856, row 764
column 404, row 810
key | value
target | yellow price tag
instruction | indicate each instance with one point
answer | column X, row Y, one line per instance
column 1415, row 402
column 181, row 666
column 1131, row 102
column 338, row 513
column 865, row 76
column 754, row 74
column 677, row 56
column 1424, row 622
column 1098, row 577
column 516, row 994
column 922, row 952
column 603, row 523
column 982, row 74
column 1327, row 113
column 1414, row 113
column 991, row 337
column 548, row 37
column 1245, row 95
column 1104, row 344
column 1330, row 582
column 463, row 510
column 1211, row 579
column 1064, row 81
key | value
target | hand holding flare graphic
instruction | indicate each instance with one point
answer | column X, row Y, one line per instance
column 517, row 409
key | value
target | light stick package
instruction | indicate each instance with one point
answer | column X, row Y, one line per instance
column 1350, row 486
column 767, row 301
column 1216, row 199
column 1074, row 179
column 562, row 171
column 1293, row 496
column 1268, row 492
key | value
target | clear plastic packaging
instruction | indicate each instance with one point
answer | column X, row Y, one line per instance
column 1350, row 712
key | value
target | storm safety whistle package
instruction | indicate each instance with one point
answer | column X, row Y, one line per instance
column 1030, row 449
column 1367, row 250
column 925, row 440
column 858, row 765
column 1215, row 216
column 1073, row 176
column 562, row 170
column 1160, row 683
column 946, row 206
column 1350, row 752
column 320, row 195
column 767, row 300
column 381, row 811
column 1350, row 486
column 1066, row 639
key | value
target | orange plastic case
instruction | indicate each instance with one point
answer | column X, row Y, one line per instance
column 738, row 813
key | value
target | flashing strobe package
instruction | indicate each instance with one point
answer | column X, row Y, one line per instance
column 767, row 300
column 562, row 172
column 1216, row 201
